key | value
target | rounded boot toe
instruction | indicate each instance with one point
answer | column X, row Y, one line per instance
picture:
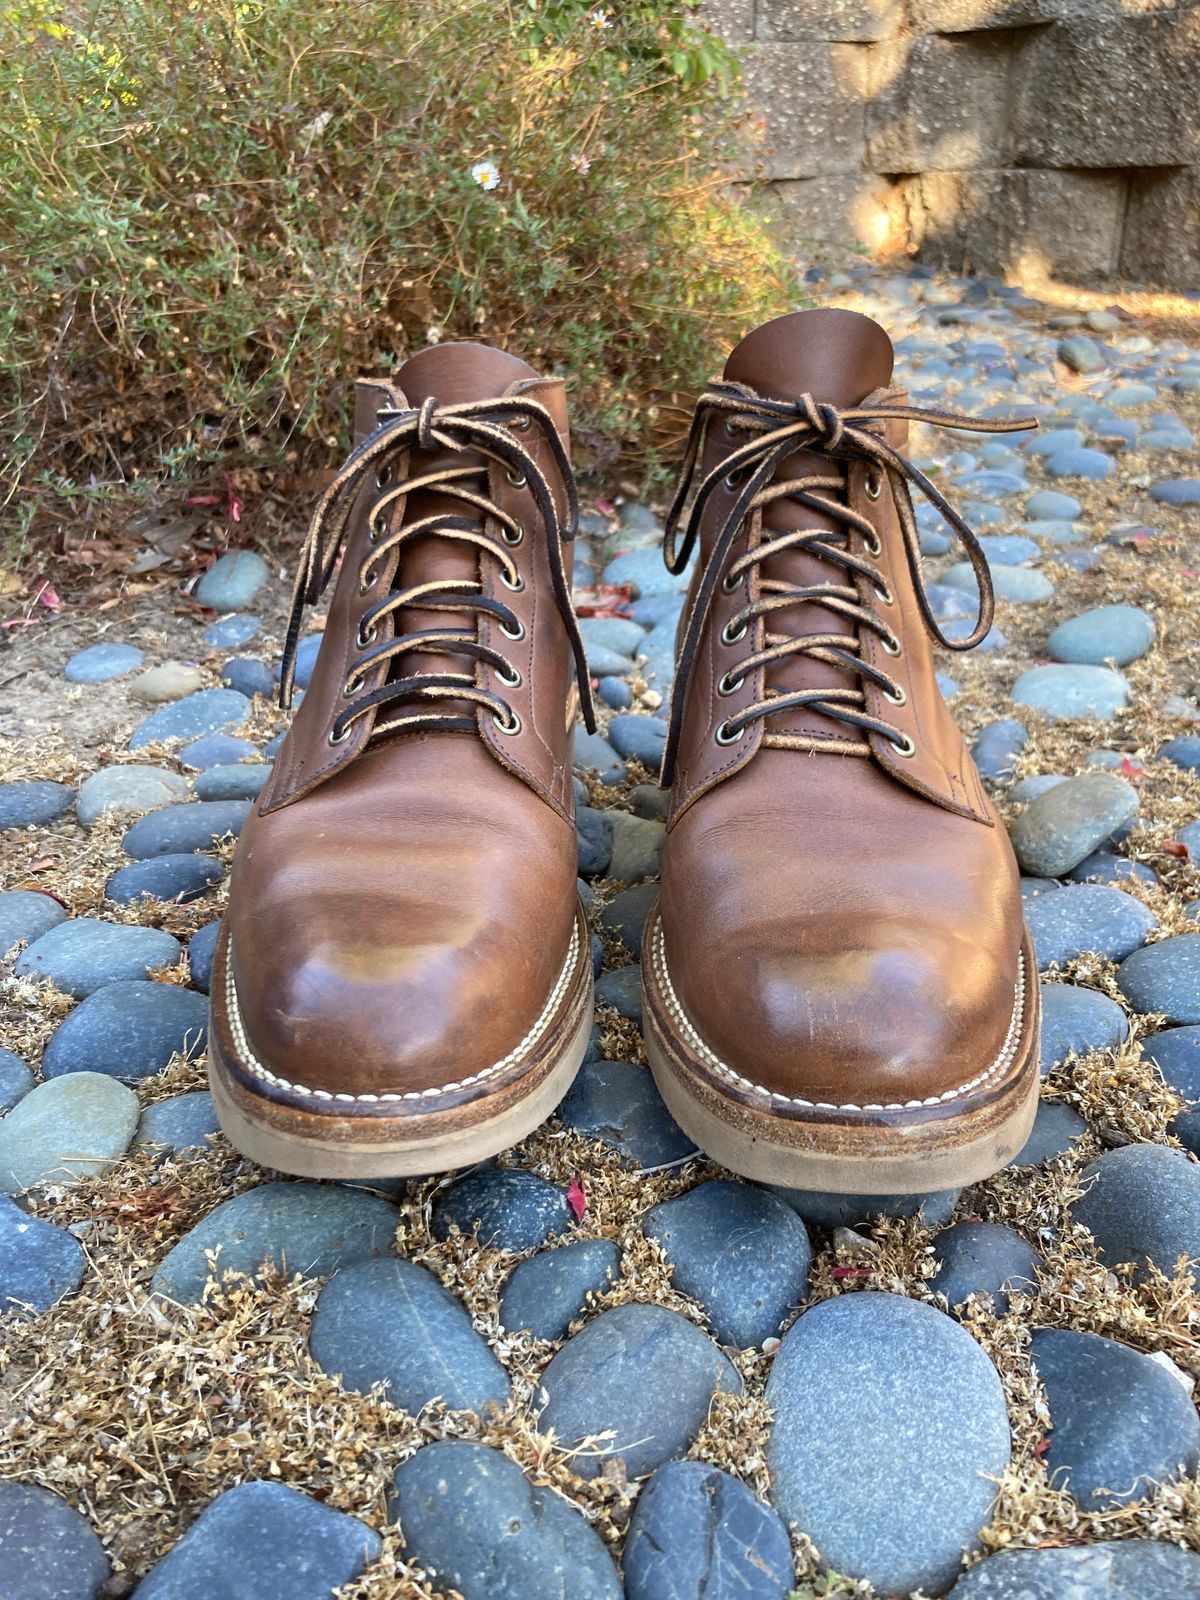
column 886, row 1027
column 384, row 1015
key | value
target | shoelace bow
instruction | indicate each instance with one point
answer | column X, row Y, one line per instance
column 484, row 427
column 777, row 430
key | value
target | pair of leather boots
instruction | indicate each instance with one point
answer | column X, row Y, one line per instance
column 839, row 991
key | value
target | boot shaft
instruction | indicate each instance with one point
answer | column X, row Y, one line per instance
column 451, row 615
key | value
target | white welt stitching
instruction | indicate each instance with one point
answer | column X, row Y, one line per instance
column 253, row 1065
column 1007, row 1052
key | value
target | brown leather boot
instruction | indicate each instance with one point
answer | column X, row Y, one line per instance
column 403, row 980
column 840, row 991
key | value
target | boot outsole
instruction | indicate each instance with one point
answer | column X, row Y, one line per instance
column 295, row 1133
column 908, row 1150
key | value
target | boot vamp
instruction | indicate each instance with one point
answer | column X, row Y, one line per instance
column 402, row 927
column 835, row 938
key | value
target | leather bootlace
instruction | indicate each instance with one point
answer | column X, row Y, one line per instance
column 776, row 430
column 483, row 427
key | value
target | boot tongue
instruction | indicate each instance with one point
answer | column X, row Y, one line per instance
column 839, row 357
column 452, row 374
column 456, row 373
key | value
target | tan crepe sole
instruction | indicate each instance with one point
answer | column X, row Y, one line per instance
column 294, row 1131
column 904, row 1149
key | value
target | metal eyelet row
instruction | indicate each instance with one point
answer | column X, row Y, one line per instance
column 730, row 682
column 367, row 632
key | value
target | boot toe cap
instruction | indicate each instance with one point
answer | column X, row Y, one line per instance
column 885, row 1026
column 384, row 1017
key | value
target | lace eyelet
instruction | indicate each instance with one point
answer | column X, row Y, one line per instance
column 349, row 689
column 873, row 485
column 367, row 582
column 730, row 430
column 521, row 424
column 512, row 539
column 735, row 479
column 512, row 678
column 732, row 635
column 375, row 531
column 903, row 746
column 885, row 595
column 514, row 588
column 339, row 738
column 508, row 633
column 730, row 683
column 896, row 697
column 729, row 584
column 383, row 476
column 873, row 545
column 723, row 734
column 517, row 479
column 365, row 635
column 509, row 727
column 891, row 647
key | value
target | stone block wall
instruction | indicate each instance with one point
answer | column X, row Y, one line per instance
column 1044, row 136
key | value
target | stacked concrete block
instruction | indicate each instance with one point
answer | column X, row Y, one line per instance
column 1053, row 136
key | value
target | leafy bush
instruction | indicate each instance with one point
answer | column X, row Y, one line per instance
column 215, row 213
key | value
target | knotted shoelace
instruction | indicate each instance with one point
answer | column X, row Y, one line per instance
column 776, row 430
column 483, row 427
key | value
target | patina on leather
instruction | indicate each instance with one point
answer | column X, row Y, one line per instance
column 403, row 898
column 840, row 912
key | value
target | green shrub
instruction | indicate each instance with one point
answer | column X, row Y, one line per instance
column 215, row 213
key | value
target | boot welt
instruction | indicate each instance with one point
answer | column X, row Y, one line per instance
column 914, row 1148
column 314, row 1134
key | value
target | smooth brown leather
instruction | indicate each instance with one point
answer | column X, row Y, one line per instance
column 401, row 908
column 841, row 929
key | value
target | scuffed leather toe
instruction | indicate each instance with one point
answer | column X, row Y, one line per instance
column 860, row 1028
column 410, row 968
column 857, row 981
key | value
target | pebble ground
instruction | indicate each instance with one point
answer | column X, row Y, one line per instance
column 642, row 1377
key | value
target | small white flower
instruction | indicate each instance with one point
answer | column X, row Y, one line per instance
column 581, row 163
column 486, row 174
column 433, row 333
column 314, row 129
column 600, row 19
